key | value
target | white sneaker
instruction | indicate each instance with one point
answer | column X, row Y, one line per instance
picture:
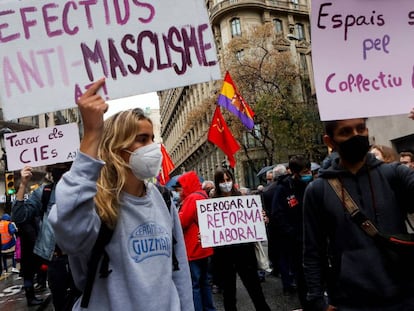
column 15, row 270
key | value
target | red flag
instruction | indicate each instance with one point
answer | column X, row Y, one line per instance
column 220, row 135
column 167, row 165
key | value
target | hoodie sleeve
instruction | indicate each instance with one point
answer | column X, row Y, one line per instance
column 25, row 210
column 73, row 218
column 188, row 212
column 315, row 245
column 12, row 228
column 279, row 211
column 401, row 180
column 406, row 176
column 181, row 277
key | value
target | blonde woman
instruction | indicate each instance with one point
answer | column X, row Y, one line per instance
column 384, row 153
column 107, row 183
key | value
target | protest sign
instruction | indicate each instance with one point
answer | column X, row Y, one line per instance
column 51, row 51
column 44, row 146
column 362, row 57
column 231, row 220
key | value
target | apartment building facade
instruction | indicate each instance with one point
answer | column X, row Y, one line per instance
column 188, row 146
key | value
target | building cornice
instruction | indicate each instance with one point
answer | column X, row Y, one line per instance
column 218, row 11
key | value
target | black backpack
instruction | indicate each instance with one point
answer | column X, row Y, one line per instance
column 98, row 252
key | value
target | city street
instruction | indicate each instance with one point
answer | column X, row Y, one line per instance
column 12, row 296
column 272, row 289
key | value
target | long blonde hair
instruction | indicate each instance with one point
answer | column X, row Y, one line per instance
column 389, row 155
column 119, row 133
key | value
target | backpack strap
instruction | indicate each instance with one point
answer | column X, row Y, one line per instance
column 47, row 191
column 166, row 195
column 349, row 204
column 98, row 251
column 408, row 222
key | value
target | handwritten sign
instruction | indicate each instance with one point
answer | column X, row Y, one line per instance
column 42, row 146
column 52, row 50
column 363, row 57
column 231, row 220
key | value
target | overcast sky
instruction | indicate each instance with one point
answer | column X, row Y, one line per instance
column 142, row 101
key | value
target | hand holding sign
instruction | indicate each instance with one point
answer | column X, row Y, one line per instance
column 92, row 108
column 25, row 176
column 411, row 115
column 231, row 220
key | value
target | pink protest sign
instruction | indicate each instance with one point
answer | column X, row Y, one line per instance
column 362, row 57
column 231, row 220
column 43, row 146
column 50, row 50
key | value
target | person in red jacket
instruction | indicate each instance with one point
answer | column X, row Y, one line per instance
column 198, row 256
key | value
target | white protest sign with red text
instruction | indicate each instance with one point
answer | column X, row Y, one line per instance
column 43, row 146
column 52, row 50
column 362, row 54
column 231, row 220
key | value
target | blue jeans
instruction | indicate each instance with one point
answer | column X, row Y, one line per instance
column 5, row 257
column 202, row 297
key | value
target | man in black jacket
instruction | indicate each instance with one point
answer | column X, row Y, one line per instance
column 267, row 197
column 286, row 217
column 339, row 257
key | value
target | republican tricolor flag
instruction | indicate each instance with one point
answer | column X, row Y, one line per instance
column 231, row 99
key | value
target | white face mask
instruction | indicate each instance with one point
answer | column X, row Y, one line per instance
column 146, row 161
column 226, row 186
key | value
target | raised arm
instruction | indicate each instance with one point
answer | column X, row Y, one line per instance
column 25, row 176
column 92, row 108
column 24, row 211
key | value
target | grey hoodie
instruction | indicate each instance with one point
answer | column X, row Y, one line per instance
column 338, row 252
column 140, row 251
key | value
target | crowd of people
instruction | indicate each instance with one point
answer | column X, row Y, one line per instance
column 111, row 239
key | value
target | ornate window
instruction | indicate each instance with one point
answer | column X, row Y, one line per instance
column 300, row 31
column 235, row 27
column 278, row 25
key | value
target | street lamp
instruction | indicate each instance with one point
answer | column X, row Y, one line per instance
column 294, row 52
column 8, row 176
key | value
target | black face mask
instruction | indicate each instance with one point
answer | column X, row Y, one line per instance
column 354, row 149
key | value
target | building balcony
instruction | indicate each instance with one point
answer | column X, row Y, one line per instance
column 227, row 6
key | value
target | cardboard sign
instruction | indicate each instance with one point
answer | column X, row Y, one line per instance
column 362, row 57
column 44, row 146
column 231, row 220
column 51, row 51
